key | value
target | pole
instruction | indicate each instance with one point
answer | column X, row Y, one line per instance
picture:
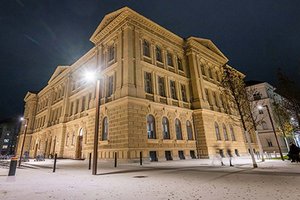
column 274, row 132
column 23, row 143
column 90, row 161
column 98, row 103
column 115, row 159
column 54, row 166
column 141, row 158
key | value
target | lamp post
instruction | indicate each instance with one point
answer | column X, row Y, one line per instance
column 23, row 142
column 91, row 77
column 269, row 114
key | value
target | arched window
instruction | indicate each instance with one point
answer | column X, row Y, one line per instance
column 165, row 128
column 189, row 130
column 105, row 129
column 151, row 127
column 232, row 133
column 264, row 125
column 146, row 48
column 217, row 131
column 178, row 129
column 225, row 132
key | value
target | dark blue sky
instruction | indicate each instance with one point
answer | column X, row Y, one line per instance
column 37, row 35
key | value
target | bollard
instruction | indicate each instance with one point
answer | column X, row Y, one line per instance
column 115, row 159
column 90, row 161
column 13, row 166
column 141, row 158
column 54, row 166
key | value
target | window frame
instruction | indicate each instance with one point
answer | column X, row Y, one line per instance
column 151, row 129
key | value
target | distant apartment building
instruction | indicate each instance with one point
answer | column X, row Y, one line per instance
column 265, row 94
column 160, row 95
column 9, row 129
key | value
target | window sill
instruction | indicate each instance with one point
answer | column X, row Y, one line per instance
column 155, row 141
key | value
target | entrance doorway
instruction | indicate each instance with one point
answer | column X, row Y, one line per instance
column 78, row 154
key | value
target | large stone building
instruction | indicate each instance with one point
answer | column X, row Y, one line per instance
column 160, row 96
column 264, row 94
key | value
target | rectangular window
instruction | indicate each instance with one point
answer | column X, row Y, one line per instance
column 179, row 63
column 90, row 98
column 161, row 86
column 111, row 53
column 203, row 70
column 183, row 93
column 110, row 86
column 158, row 54
column 168, row 155
column 170, row 59
column 77, row 106
column 148, row 82
column 83, row 104
column 181, row 155
column 71, row 108
column 146, row 48
column 173, row 90
column 207, row 96
column 215, row 99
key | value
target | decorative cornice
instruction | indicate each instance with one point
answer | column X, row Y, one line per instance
column 128, row 14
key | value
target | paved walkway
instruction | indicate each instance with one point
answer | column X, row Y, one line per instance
column 186, row 179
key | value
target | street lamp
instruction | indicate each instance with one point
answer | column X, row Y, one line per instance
column 269, row 114
column 91, row 76
column 23, row 143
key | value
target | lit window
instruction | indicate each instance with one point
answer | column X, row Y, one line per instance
column 178, row 129
column 6, row 140
column 105, row 129
column 165, row 128
column 151, row 127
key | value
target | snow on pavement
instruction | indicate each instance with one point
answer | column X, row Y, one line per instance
column 188, row 179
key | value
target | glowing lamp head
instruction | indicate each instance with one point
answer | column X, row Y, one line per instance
column 90, row 76
column 22, row 119
column 259, row 107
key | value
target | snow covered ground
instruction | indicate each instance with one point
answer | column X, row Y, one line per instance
column 186, row 179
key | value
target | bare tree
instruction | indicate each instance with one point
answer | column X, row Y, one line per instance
column 234, row 89
column 291, row 93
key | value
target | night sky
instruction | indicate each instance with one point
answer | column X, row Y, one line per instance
column 38, row 35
